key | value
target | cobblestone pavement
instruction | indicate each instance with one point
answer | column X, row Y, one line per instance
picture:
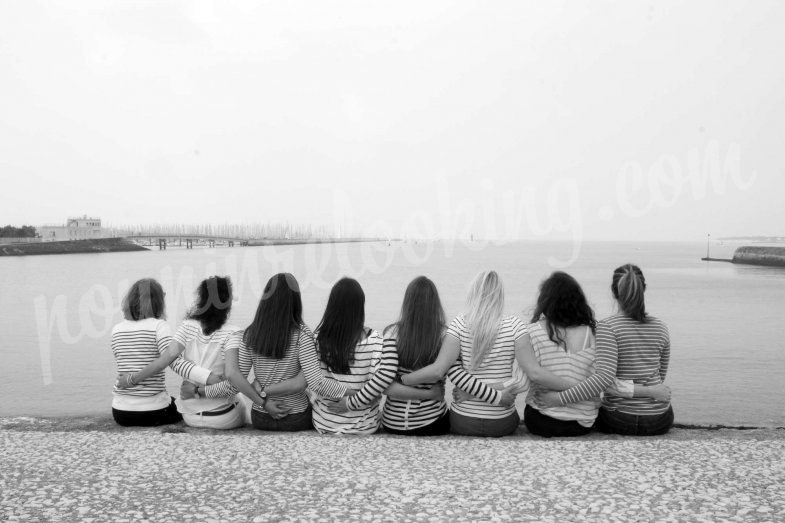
column 106, row 473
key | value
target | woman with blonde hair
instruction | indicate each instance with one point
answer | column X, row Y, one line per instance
column 483, row 343
column 633, row 349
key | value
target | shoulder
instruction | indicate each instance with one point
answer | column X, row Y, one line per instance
column 230, row 328
column 306, row 330
column 513, row 321
column 391, row 331
column 457, row 326
column 190, row 326
column 656, row 324
column 373, row 336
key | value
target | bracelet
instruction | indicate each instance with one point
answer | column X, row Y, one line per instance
column 129, row 380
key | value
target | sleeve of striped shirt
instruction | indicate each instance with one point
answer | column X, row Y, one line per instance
column 665, row 356
column 163, row 336
column 382, row 377
column 187, row 369
column 468, row 383
column 244, row 362
column 317, row 382
column 606, row 359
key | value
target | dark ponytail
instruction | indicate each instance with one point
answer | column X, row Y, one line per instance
column 628, row 287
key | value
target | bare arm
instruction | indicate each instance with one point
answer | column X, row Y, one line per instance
column 236, row 377
column 524, row 353
column 448, row 354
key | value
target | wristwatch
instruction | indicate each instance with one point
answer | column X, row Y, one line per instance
column 196, row 391
column 263, row 394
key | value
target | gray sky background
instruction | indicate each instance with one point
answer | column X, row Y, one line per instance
column 147, row 112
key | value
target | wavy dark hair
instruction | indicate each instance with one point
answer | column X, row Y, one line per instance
column 145, row 299
column 628, row 286
column 563, row 304
column 213, row 303
column 280, row 311
column 342, row 325
column 420, row 327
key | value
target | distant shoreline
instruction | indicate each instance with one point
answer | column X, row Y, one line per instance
column 128, row 244
column 70, row 247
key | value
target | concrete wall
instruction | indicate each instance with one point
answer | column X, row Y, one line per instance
column 771, row 256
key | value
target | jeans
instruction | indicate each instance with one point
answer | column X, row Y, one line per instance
column 440, row 427
column 291, row 423
column 614, row 422
column 495, row 428
column 147, row 418
column 548, row 427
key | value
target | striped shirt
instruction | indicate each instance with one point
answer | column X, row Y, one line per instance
column 300, row 355
column 576, row 366
column 207, row 351
column 627, row 350
column 401, row 414
column 370, row 373
column 496, row 367
column 135, row 344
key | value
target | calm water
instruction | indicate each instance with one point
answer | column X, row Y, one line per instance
column 727, row 322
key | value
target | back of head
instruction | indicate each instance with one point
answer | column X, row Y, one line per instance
column 280, row 310
column 420, row 326
column 628, row 287
column 342, row 325
column 485, row 307
column 213, row 303
column 145, row 299
column 563, row 304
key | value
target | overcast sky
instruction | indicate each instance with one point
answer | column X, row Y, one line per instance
column 492, row 118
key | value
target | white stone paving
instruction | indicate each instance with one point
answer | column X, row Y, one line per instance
column 246, row 475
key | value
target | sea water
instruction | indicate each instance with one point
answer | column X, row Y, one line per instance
column 727, row 322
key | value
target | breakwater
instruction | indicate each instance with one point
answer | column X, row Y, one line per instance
column 770, row 256
column 71, row 247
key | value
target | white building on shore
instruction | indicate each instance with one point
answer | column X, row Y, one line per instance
column 78, row 228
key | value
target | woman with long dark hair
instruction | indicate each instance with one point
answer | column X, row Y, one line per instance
column 632, row 346
column 142, row 345
column 356, row 357
column 561, row 337
column 482, row 343
column 417, row 338
column 280, row 348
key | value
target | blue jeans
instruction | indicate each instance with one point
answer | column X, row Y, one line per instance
column 484, row 427
column 613, row 422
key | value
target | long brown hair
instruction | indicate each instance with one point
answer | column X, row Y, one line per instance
column 420, row 327
column 342, row 325
column 279, row 313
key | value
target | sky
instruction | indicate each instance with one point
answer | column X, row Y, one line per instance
column 507, row 120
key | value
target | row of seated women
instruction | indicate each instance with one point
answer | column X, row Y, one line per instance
column 576, row 374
